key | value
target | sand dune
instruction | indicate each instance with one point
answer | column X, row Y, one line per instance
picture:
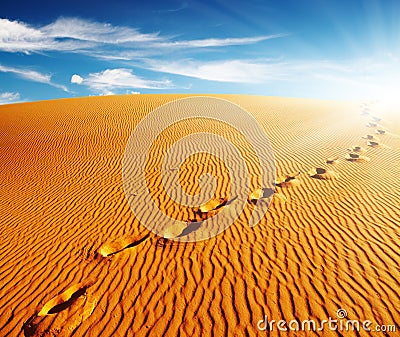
column 74, row 260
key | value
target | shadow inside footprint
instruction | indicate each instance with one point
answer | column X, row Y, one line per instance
column 138, row 242
column 231, row 201
column 192, row 227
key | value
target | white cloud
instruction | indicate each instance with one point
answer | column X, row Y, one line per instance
column 9, row 97
column 357, row 78
column 27, row 74
column 85, row 30
column 204, row 43
column 107, row 81
column 166, row 46
column 79, row 35
column 76, row 79
column 32, row 75
column 236, row 71
column 65, row 34
column 17, row 36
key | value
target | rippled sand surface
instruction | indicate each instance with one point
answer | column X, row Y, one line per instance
column 74, row 260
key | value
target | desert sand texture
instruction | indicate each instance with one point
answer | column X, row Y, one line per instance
column 75, row 261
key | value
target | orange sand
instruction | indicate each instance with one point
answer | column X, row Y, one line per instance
column 75, row 261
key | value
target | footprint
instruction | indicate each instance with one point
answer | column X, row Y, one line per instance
column 118, row 245
column 261, row 193
column 201, row 213
column 371, row 137
column 176, row 229
column 372, row 124
column 373, row 143
column 213, row 205
column 332, row 160
column 65, row 299
column 356, row 157
column 288, row 180
column 356, row 148
column 210, row 208
column 323, row 174
column 380, row 131
column 63, row 313
column 376, row 118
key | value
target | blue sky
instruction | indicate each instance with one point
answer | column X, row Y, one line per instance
column 310, row 48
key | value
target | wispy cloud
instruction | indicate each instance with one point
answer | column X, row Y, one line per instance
column 9, row 97
column 79, row 35
column 235, row 71
column 32, row 75
column 17, row 36
column 66, row 34
column 173, row 10
column 330, row 78
column 168, row 47
column 204, row 43
column 91, row 31
column 107, row 81
column 253, row 71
